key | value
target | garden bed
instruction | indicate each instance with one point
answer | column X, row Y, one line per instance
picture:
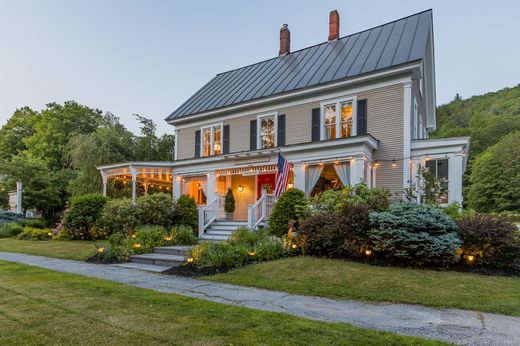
column 191, row 270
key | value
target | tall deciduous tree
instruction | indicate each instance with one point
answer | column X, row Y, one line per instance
column 20, row 126
column 56, row 126
column 495, row 178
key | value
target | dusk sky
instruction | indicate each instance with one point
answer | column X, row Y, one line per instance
column 148, row 57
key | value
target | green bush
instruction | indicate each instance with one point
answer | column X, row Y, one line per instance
column 415, row 234
column 186, row 212
column 10, row 229
column 355, row 224
column 453, row 210
column 118, row 216
column 83, row 214
column 34, row 223
column 183, row 235
column 30, row 233
column 329, row 201
column 292, row 205
column 268, row 249
column 61, row 234
column 225, row 254
column 9, row 216
column 156, row 209
column 246, row 236
column 147, row 237
column 493, row 241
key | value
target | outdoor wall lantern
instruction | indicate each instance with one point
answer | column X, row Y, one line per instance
column 290, row 185
column 240, row 188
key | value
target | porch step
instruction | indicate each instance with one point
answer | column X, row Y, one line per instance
column 143, row 266
column 173, row 250
column 222, row 230
column 158, row 259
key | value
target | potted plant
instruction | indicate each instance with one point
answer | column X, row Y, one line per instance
column 229, row 204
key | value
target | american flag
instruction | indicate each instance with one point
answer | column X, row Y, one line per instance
column 281, row 177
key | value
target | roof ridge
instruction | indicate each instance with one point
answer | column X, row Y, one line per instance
column 318, row 44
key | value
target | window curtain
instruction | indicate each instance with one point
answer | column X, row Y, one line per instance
column 343, row 172
column 312, row 174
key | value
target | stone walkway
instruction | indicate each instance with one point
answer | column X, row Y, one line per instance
column 452, row 325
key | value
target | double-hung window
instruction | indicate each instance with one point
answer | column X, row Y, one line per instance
column 211, row 141
column 267, row 125
column 338, row 119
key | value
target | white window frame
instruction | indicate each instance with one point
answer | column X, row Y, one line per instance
column 338, row 103
column 259, row 128
column 211, row 143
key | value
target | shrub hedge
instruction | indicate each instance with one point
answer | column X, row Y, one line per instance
column 118, row 215
column 10, row 229
column 82, row 216
column 9, row 216
column 291, row 206
column 186, row 211
column 30, row 233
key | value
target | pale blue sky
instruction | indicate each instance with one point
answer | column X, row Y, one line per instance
column 148, row 56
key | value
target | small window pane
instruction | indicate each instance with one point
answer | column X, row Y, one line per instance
column 330, row 121
column 217, row 141
column 267, row 132
column 206, row 142
column 346, row 119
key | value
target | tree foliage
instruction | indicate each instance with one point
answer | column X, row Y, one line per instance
column 495, row 178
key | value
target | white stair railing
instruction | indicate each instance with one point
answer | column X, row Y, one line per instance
column 208, row 214
column 260, row 211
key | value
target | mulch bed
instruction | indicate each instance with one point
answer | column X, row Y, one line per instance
column 190, row 270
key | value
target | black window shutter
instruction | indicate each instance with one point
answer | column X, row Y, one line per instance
column 197, row 143
column 315, row 136
column 281, row 130
column 225, row 142
column 252, row 135
column 361, row 117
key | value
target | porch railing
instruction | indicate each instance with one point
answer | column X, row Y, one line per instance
column 208, row 214
column 260, row 211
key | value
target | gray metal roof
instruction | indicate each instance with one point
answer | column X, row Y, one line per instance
column 388, row 45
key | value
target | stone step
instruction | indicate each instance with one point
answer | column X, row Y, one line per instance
column 143, row 266
column 158, row 259
column 173, row 250
column 223, row 227
column 207, row 236
column 230, row 223
column 219, row 232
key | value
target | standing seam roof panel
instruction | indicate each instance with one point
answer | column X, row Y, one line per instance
column 403, row 50
column 357, row 65
column 329, row 49
column 379, row 46
column 293, row 71
column 248, row 76
column 221, row 93
column 347, row 63
column 390, row 44
column 388, row 53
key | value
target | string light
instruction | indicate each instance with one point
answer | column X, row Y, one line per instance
column 394, row 164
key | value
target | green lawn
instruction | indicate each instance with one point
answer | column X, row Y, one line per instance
column 74, row 249
column 347, row 280
column 43, row 307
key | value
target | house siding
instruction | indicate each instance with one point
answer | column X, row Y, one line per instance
column 384, row 121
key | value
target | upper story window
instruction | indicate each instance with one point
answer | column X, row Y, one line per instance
column 338, row 119
column 211, row 141
column 267, row 131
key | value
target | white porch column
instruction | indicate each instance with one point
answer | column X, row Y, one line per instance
column 415, row 177
column 176, row 189
column 455, row 172
column 407, row 135
column 299, row 176
column 133, row 171
column 18, row 196
column 211, row 186
column 357, row 170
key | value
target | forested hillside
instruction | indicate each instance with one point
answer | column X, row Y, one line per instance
column 487, row 119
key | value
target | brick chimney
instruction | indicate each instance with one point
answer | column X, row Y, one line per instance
column 333, row 25
column 285, row 40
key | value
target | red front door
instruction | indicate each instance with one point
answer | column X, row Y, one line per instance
column 266, row 181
